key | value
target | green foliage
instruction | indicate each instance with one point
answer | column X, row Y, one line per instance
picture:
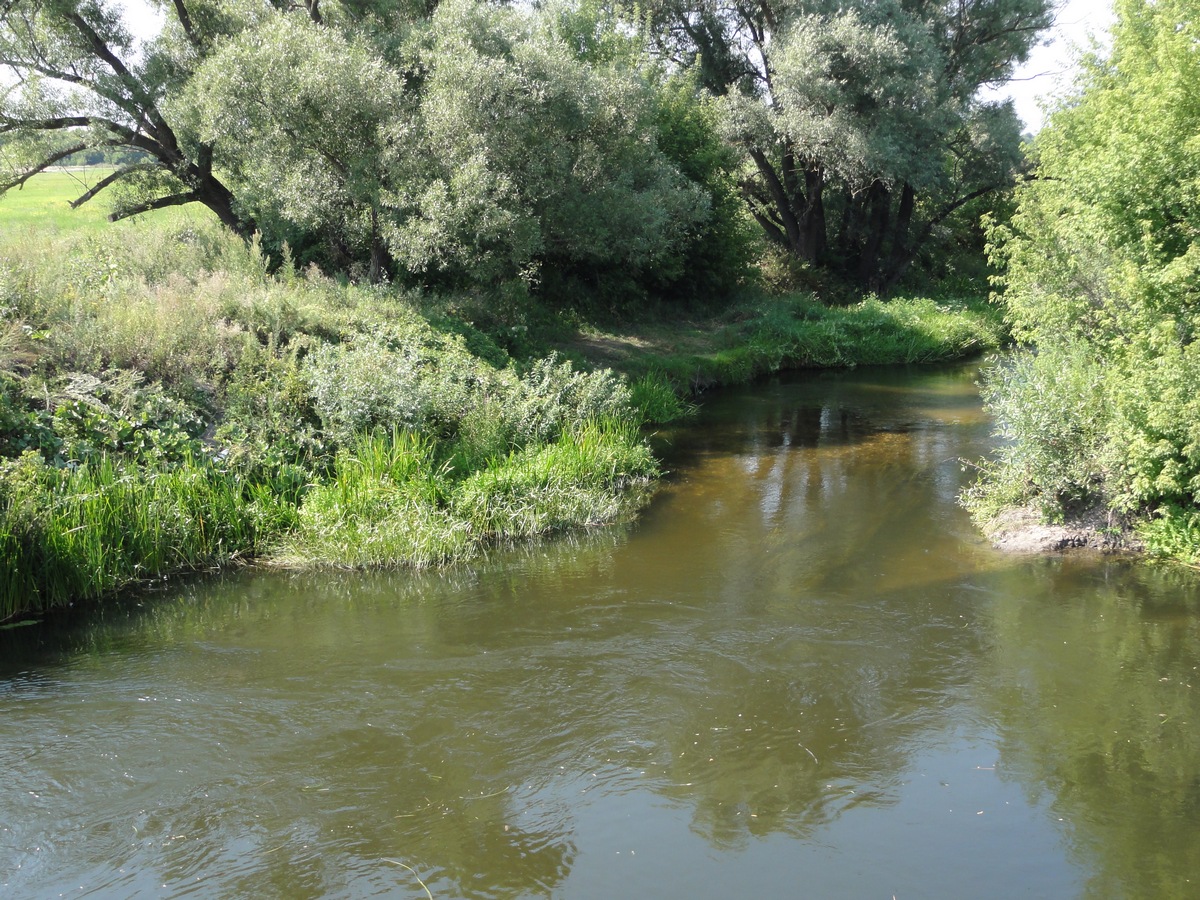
column 116, row 413
column 763, row 335
column 1053, row 417
column 309, row 107
column 270, row 430
column 1173, row 532
column 390, row 504
column 801, row 332
column 579, row 479
column 1102, row 259
column 255, row 412
column 81, row 533
column 554, row 398
column 658, row 400
column 367, row 384
column 861, row 123
column 380, row 509
column 528, row 163
column 715, row 259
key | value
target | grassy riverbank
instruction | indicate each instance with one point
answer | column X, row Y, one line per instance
column 166, row 404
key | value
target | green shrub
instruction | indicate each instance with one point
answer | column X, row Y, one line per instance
column 365, row 385
column 1155, row 433
column 117, row 413
column 554, row 397
column 1052, row 413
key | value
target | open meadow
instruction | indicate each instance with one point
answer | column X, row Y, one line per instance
column 43, row 205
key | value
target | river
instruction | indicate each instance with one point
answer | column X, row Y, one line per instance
column 800, row 673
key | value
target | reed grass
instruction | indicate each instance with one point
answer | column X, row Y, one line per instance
column 82, row 533
column 390, row 504
column 582, row 479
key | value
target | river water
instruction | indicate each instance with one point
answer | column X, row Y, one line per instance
column 800, row 673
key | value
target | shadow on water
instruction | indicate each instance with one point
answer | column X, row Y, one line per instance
column 800, row 673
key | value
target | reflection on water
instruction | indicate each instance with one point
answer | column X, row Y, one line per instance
column 801, row 673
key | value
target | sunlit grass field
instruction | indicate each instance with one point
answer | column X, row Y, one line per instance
column 43, row 204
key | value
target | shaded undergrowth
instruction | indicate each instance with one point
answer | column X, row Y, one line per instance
column 765, row 335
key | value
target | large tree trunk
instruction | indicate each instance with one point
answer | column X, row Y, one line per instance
column 815, row 237
column 879, row 207
column 900, row 256
column 213, row 194
column 380, row 258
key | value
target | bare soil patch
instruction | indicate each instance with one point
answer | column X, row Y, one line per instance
column 1096, row 530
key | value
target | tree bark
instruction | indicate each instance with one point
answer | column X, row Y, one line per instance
column 879, row 207
column 815, row 236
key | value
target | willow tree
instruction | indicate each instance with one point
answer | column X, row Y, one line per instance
column 312, row 109
column 78, row 81
column 526, row 161
column 861, row 121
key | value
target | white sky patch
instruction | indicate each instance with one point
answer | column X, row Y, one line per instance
column 1052, row 64
column 142, row 19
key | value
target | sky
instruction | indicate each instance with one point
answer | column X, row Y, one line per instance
column 1047, row 72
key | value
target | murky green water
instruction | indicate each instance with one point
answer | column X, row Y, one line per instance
column 800, row 674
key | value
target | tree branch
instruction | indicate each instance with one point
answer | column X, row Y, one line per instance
column 140, row 95
column 128, row 137
column 9, row 124
column 41, row 167
column 185, row 22
column 109, row 179
column 151, row 205
column 778, row 194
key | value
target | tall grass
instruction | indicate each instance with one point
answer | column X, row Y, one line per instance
column 391, row 504
column 82, row 533
column 580, row 479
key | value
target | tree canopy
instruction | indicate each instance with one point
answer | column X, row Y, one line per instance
column 862, row 120
column 469, row 143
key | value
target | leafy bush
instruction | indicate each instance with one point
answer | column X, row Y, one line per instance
column 1101, row 262
column 554, row 397
column 365, row 385
column 117, row 413
column 1053, row 416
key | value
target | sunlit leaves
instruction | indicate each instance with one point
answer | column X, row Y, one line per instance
column 298, row 114
column 1103, row 262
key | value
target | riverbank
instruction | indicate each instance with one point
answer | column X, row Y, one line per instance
column 167, row 404
column 1024, row 530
